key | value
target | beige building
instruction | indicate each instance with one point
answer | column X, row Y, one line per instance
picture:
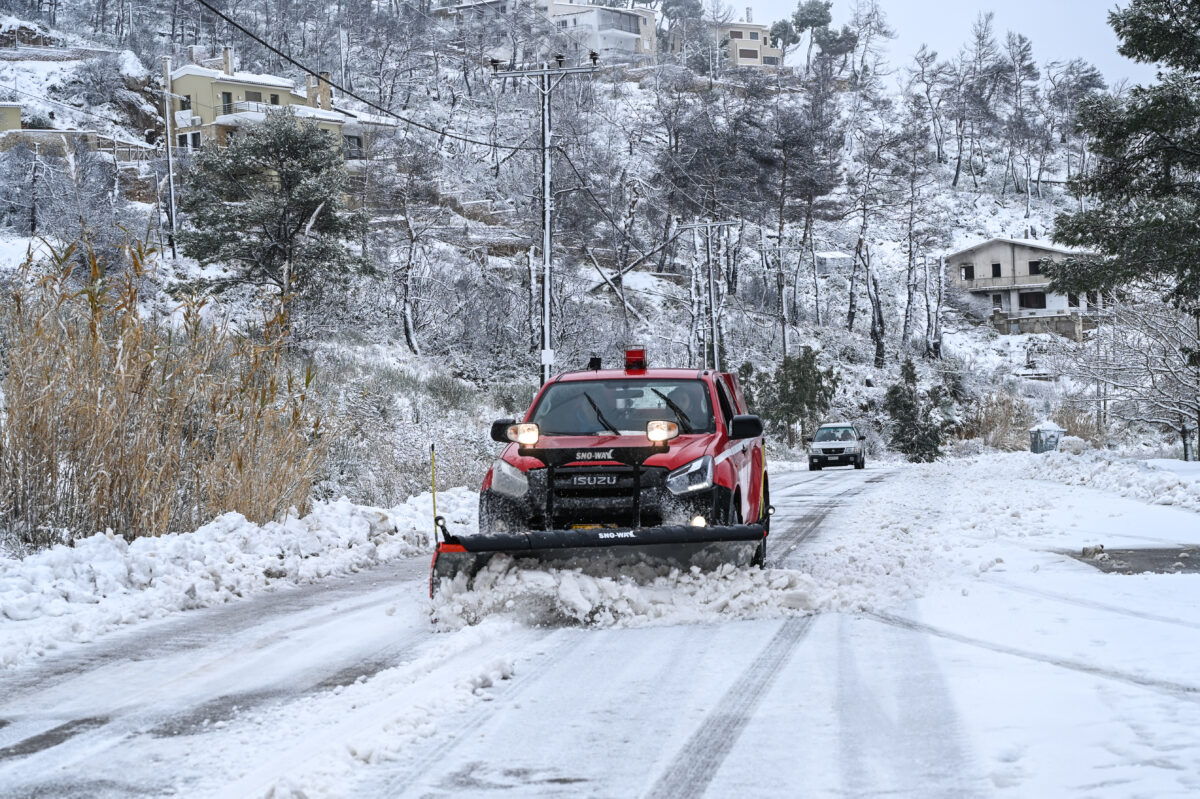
column 10, row 116
column 593, row 27
column 748, row 44
column 744, row 44
column 212, row 99
column 1005, row 280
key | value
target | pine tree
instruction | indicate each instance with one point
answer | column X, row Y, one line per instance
column 1145, row 222
column 914, row 432
column 799, row 392
column 270, row 207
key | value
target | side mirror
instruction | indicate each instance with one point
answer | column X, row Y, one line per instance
column 808, row 439
column 862, row 438
column 500, row 430
column 745, row 426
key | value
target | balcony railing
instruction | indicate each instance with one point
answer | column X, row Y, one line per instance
column 1020, row 281
column 243, row 106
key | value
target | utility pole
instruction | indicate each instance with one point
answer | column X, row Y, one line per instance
column 548, row 77
column 33, row 189
column 170, row 159
column 709, row 226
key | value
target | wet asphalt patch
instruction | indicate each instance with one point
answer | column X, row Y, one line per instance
column 1175, row 560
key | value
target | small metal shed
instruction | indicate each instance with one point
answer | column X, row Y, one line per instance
column 1044, row 437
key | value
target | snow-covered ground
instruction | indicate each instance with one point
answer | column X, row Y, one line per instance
column 74, row 593
column 921, row 631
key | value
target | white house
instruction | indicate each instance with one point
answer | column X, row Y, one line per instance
column 1005, row 279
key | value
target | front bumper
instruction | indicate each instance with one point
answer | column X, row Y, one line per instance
column 598, row 496
column 833, row 458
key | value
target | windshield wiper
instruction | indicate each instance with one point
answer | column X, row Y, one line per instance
column 600, row 416
column 683, row 418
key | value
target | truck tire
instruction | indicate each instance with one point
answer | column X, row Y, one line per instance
column 814, row 467
column 861, row 463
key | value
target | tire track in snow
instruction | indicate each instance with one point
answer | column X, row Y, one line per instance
column 801, row 529
column 703, row 753
column 1169, row 687
column 1087, row 603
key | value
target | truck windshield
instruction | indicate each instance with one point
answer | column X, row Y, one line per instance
column 591, row 407
column 835, row 434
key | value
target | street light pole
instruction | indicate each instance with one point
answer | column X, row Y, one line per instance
column 548, row 77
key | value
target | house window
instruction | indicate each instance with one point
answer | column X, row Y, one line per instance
column 196, row 140
column 253, row 97
column 503, row 9
column 1033, row 300
column 274, row 99
column 754, row 35
column 995, row 270
column 1035, row 267
column 182, row 138
column 562, row 23
column 997, row 300
column 735, row 34
column 226, row 102
column 967, row 271
column 750, row 54
column 574, row 22
column 1093, row 299
column 353, row 146
column 1072, row 300
column 770, row 60
column 186, row 103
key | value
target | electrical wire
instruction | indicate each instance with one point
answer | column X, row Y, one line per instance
column 348, row 93
column 64, row 105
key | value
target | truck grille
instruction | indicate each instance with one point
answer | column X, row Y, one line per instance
column 833, row 451
column 600, row 495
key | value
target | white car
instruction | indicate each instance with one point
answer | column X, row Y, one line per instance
column 836, row 444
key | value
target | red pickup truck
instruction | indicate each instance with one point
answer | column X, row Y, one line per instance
column 667, row 460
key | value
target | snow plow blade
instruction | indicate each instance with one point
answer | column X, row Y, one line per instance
column 606, row 550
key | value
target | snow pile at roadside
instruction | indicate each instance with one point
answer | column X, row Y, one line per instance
column 73, row 593
column 1133, row 479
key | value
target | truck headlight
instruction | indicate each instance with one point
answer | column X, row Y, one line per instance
column 509, row 480
column 526, row 434
column 695, row 476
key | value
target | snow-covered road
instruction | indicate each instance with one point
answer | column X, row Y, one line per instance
column 919, row 634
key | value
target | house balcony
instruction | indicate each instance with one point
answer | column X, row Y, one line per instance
column 1010, row 282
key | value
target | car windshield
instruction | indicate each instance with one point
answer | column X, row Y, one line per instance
column 590, row 407
column 835, row 434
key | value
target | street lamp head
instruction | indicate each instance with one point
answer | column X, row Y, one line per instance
column 594, row 56
column 560, row 58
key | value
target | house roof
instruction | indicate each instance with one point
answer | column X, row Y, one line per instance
column 236, row 77
column 1034, row 244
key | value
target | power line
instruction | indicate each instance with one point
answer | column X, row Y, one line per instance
column 348, row 93
column 65, row 105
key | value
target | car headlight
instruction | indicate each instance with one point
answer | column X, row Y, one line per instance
column 851, row 450
column 509, row 480
column 695, row 476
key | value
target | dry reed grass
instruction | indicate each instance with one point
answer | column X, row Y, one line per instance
column 1000, row 420
column 113, row 421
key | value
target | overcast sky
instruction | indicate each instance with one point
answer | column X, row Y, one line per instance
column 1058, row 29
